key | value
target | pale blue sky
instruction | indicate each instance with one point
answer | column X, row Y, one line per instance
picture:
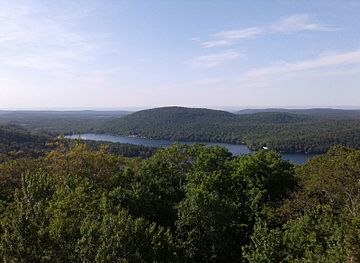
column 118, row 54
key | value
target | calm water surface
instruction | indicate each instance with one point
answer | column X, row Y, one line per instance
column 235, row 149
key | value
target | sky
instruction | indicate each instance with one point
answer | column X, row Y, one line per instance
column 104, row 54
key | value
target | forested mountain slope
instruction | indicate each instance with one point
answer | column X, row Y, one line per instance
column 16, row 142
column 180, row 123
column 282, row 131
column 321, row 112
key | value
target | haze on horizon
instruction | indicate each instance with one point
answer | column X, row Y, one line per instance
column 124, row 54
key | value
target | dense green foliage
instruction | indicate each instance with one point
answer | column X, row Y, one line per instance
column 281, row 131
column 16, row 142
column 122, row 149
column 320, row 221
column 183, row 204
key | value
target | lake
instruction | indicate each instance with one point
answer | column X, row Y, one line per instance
column 236, row 149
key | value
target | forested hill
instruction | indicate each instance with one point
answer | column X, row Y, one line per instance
column 195, row 124
column 282, row 131
column 322, row 112
column 180, row 114
column 16, row 142
column 57, row 122
column 168, row 119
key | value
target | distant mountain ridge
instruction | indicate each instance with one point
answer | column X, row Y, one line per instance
column 59, row 121
column 329, row 112
column 177, row 113
column 287, row 131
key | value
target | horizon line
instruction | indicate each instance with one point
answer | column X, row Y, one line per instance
column 135, row 108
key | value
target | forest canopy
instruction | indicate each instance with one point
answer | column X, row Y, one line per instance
column 183, row 204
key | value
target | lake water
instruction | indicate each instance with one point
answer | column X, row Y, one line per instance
column 235, row 149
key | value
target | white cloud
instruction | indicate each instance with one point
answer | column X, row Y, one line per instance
column 226, row 38
column 213, row 60
column 22, row 24
column 33, row 36
column 293, row 23
column 298, row 22
column 323, row 62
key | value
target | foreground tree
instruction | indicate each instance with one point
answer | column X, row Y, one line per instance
column 24, row 224
column 317, row 236
column 219, row 210
column 184, row 204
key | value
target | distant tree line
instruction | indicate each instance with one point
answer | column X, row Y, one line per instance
column 17, row 142
column 121, row 149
